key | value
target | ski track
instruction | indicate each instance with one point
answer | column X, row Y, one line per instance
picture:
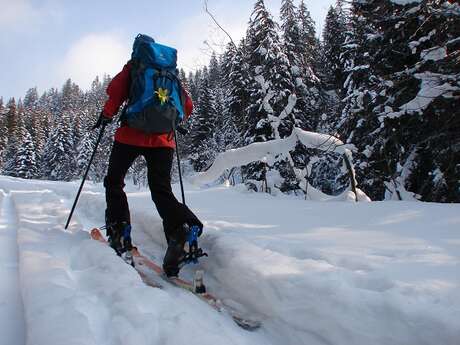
column 76, row 291
column 148, row 235
column 11, row 306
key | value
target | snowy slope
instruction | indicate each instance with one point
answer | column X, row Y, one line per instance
column 316, row 272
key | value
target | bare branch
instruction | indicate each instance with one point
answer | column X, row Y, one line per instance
column 217, row 23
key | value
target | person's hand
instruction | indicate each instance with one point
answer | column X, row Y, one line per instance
column 103, row 120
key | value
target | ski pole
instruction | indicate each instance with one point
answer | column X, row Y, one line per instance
column 178, row 166
column 86, row 174
column 192, row 237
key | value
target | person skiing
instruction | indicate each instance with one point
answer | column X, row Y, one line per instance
column 158, row 150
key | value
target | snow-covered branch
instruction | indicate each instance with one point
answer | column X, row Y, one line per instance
column 267, row 151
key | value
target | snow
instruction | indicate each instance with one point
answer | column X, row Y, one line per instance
column 295, row 70
column 11, row 309
column 396, row 190
column 432, row 86
column 267, row 151
column 317, row 273
column 414, row 44
column 292, row 100
column 434, row 54
column 405, row 2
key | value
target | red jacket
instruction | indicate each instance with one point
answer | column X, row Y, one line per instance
column 118, row 91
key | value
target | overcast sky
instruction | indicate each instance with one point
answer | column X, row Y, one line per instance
column 44, row 42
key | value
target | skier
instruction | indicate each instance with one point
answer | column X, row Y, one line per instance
column 158, row 150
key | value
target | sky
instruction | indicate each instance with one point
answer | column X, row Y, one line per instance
column 45, row 42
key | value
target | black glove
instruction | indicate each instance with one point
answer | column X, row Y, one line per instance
column 103, row 120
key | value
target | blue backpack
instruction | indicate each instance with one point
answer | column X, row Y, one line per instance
column 155, row 99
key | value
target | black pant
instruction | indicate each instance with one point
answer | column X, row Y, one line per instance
column 159, row 164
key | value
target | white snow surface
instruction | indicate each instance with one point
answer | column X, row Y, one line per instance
column 435, row 54
column 317, row 273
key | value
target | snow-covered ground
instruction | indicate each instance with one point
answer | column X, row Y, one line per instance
column 315, row 272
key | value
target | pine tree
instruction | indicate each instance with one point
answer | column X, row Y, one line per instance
column 203, row 144
column 138, row 172
column 334, row 34
column 359, row 88
column 21, row 157
column 3, row 133
column 194, row 83
column 293, row 46
column 272, row 94
column 236, row 81
column 71, row 96
column 228, row 136
column 92, row 106
column 294, row 49
column 271, row 82
column 311, row 98
column 34, row 119
column 402, row 93
column 101, row 160
column 214, row 72
column 31, row 98
column 48, row 108
column 418, row 95
column 309, row 49
column 331, row 66
column 59, row 159
column 11, row 117
column 24, row 164
column 84, row 151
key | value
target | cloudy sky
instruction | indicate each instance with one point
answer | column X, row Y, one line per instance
column 44, row 42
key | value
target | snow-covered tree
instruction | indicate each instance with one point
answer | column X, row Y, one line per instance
column 3, row 133
column 31, row 98
column 11, row 116
column 310, row 94
column 22, row 157
column 59, row 160
column 203, row 144
column 402, row 91
column 334, row 35
column 272, row 94
column 138, row 172
column 84, row 151
column 271, row 81
column 236, row 81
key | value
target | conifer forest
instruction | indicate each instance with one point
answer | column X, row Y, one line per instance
column 383, row 76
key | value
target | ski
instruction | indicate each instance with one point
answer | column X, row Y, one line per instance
column 145, row 266
column 97, row 235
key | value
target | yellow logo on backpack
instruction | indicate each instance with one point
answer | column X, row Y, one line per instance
column 162, row 95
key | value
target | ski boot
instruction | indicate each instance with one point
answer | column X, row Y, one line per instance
column 119, row 238
column 182, row 249
column 175, row 253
